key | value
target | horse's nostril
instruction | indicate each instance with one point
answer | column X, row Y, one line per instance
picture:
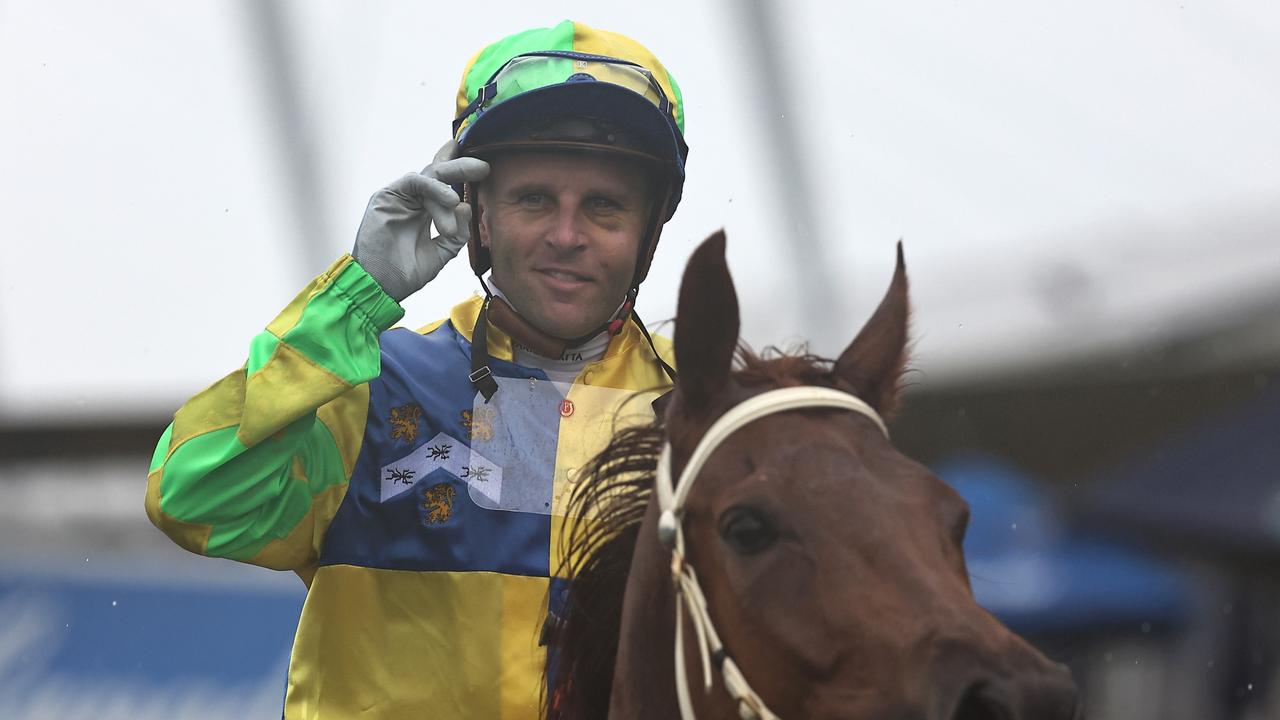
column 1038, row 697
column 977, row 704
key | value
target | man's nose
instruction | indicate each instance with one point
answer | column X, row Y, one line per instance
column 567, row 232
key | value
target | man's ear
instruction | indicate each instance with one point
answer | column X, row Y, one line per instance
column 475, row 194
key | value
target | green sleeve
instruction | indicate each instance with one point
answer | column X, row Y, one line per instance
column 254, row 467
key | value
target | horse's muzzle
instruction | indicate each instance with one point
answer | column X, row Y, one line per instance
column 1045, row 693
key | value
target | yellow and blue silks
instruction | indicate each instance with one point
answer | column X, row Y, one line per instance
column 361, row 458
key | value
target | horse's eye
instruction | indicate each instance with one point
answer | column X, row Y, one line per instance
column 747, row 530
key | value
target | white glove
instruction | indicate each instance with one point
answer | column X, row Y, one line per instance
column 394, row 242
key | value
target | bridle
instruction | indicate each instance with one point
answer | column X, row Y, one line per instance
column 671, row 502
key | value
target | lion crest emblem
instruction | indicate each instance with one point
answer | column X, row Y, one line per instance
column 478, row 423
column 404, row 422
column 438, row 503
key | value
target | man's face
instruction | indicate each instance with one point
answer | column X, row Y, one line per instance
column 563, row 231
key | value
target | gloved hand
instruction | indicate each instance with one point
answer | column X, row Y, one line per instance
column 394, row 242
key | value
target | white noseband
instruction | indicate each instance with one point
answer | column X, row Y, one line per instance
column 671, row 499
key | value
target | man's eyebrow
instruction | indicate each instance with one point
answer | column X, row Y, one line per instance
column 615, row 191
column 527, row 186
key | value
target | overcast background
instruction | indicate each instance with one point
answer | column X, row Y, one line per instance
column 1066, row 177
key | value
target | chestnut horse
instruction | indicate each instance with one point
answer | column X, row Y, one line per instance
column 830, row 564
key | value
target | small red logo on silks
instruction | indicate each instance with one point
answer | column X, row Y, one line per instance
column 566, row 407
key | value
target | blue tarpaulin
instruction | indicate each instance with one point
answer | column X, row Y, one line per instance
column 75, row 646
column 1040, row 577
column 1215, row 486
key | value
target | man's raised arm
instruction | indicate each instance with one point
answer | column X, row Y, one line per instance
column 254, row 467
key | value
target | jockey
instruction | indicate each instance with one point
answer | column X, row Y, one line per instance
column 415, row 480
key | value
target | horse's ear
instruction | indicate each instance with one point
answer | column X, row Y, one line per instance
column 873, row 363
column 706, row 326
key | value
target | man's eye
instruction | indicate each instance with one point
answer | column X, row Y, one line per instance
column 532, row 199
column 603, row 203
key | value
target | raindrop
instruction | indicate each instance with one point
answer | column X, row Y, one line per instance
column 1146, row 628
column 114, row 603
column 1014, row 526
column 1249, row 687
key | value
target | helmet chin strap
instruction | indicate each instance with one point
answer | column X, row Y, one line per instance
column 507, row 318
column 498, row 312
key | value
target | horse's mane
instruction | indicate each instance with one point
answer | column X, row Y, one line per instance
column 603, row 519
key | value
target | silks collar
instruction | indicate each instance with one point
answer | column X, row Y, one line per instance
column 496, row 312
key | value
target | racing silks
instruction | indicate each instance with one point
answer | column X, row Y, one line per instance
column 425, row 522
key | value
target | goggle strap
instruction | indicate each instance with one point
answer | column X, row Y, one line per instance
column 570, row 54
column 490, row 89
column 486, row 93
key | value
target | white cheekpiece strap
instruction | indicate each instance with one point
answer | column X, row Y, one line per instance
column 671, row 498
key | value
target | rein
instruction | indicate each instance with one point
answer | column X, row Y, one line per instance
column 671, row 501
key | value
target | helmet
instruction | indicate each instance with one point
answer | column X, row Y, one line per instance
column 577, row 89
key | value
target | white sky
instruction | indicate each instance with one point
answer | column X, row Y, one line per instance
column 1066, row 177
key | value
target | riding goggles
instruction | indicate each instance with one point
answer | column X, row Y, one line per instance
column 534, row 70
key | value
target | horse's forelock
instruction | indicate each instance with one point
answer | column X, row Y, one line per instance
column 782, row 368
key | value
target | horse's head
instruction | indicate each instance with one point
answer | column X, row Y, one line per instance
column 831, row 563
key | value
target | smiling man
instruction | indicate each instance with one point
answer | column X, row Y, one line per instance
column 415, row 480
column 568, row 229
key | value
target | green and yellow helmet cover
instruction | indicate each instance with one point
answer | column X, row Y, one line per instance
column 568, row 36
column 554, row 86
